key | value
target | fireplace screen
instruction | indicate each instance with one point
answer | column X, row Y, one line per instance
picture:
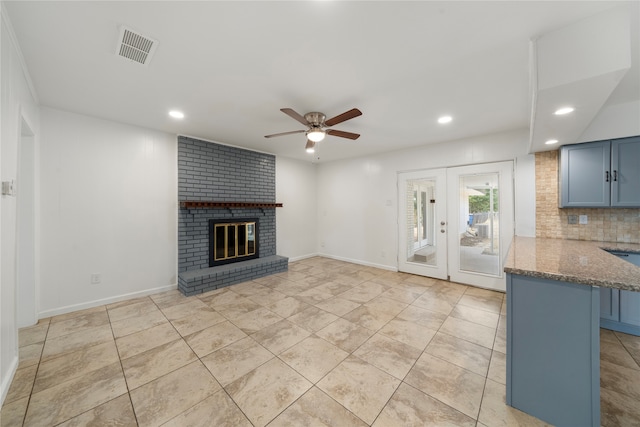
column 231, row 241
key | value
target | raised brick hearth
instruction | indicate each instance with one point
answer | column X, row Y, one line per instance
column 214, row 172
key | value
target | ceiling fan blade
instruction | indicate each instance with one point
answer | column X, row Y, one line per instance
column 289, row 112
column 285, row 133
column 354, row 112
column 342, row 134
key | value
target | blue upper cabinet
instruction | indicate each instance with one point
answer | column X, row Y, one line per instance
column 600, row 174
column 625, row 168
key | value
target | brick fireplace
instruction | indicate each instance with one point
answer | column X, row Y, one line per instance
column 221, row 184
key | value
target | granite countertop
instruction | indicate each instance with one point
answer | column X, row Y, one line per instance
column 577, row 261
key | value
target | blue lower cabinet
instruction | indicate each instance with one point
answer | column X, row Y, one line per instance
column 553, row 350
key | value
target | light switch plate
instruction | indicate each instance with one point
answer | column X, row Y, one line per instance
column 572, row 219
column 583, row 219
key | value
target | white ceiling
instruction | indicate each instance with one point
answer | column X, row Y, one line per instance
column 230, row 66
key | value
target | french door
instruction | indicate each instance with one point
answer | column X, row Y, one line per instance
column 457, row 223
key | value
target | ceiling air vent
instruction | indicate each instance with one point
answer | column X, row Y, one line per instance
column 135, row 47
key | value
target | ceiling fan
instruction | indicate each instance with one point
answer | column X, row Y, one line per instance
column 316, row 124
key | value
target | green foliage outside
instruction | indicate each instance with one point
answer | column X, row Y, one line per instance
column 480, row 204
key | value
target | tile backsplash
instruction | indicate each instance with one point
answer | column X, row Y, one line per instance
column 607, row 225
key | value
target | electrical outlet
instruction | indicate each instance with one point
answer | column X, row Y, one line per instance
column 322, row 243
column 583, row 219
column 96, row 278
column 572, row 219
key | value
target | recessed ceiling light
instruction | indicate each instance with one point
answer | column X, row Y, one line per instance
column 551, row 142
column 176, row 114
column 444, row 119
column 564, row 110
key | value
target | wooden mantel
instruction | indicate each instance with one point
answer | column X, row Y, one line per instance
column 190, row 204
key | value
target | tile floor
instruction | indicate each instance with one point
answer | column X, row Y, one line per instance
column 327, row 343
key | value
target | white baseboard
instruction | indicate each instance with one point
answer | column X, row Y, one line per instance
column 360, row 262
column 301, row 257
column 110, row 300
column 7, row 377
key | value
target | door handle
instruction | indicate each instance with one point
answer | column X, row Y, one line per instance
column 442, row 223
column 606, row 177
column 441, row 230
column 615, row 175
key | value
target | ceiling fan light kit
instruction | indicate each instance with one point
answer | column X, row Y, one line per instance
column 316, row 125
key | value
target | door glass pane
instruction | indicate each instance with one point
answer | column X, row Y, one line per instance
column 479, row 224
column 421, row 200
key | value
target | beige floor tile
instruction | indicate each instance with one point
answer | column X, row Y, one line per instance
column 116, row 412
column 411, row 408
column 184, row 309
column 432, row 301
column 615, row 352
column 198, row 320
column 288, row 287
column 337, row 306
column 22, row 384
column 287, row 306
column 144, row 306
column 142, row 341
column 311, row 282
column 334, row 288
column 631, row 343
column 71, row 315
column 220, row 297
column 249, row 288
column 125, row 302
column 387, row 305
column 495, row 412
column 419, row 280
column 235, row 360
column 234, row 310
column 71, row 398
column 389, row 355
column 469, row 331
column 33, row 334
column 314, row 296
column 368, row 317
column 13, row 413
column 216, row 410
column 498, row 367
column 313, row 357
column 485, row 293
column 620, row 379
column 315, row 408
column 618, row 409
column 214, row 337
column 360, row 387
column 69, row 343
column 166, row 397
column 168, row 298
column 30, row 354
column 256, row 320
column 363, row 292
column 131, row 325
column 280, row 336
column 427, row 318
column 450, row 384
column 291, row 275
column 78, row 323
column 475, row 315
column 401, row 294
column 266, row 391
column 344, row 334
column 313, row 319
column 268, row 296
column 409, row 333
column 500, row 343
column 491, row 303
column 608, row 336
column 76, row 364
column 464, row 354
column 146, row 367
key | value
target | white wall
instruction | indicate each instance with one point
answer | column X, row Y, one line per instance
column 108, row 206
column 615, row 121
column 357, row 198
column 17, row 103
column 296, row 221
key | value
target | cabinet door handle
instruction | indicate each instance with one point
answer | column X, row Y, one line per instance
column 615, row 175
column 606, row 176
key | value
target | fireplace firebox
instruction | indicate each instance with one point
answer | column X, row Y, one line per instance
column 233, row 240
